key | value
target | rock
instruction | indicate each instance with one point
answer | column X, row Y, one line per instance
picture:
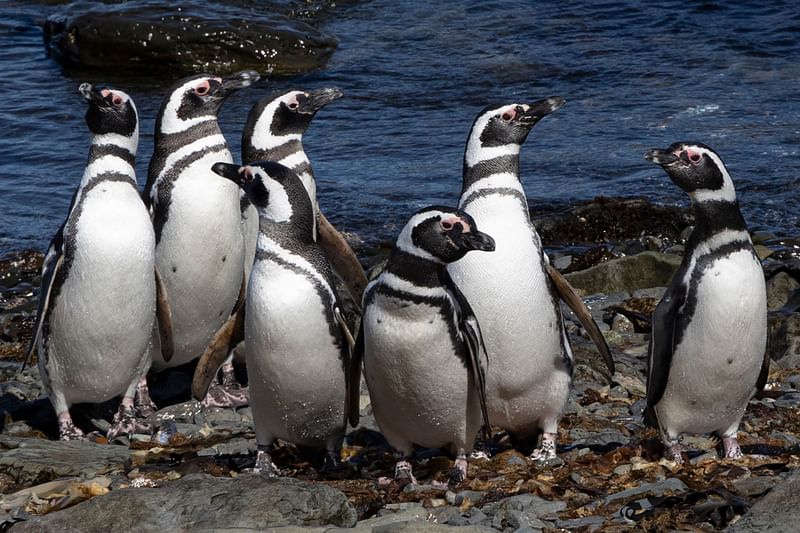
column 621, row 324
column 32, row 461
column 783, row 341
column 648, row 269
column 762, row 251
column 585, row 523
column 755, row 486
column 659, row 488
column 591, row 257
column 142, row 35
column 777, row 512
column 200, row 501
column 779, row 289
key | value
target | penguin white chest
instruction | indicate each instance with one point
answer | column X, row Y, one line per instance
column 719, row 356
column 294, row 361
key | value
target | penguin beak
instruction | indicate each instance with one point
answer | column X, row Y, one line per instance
column 471, row 240
column 231, row 172
column 540, row 109
column 237, row 81
column 661, row 157
column 316, row 100
column 93, row 96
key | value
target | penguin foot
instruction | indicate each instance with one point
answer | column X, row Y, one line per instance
column 547, row 450
column 126, row 423
column 732, row 449
column 223, row 396
column 264, row 465
column 478, row 455
column 459, row 471
column 229, row 376
column 67, row 430
column 674, row 452
column 142, row 402
column 404, row 473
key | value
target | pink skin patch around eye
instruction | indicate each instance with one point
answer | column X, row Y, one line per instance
column 450, row 222
column 202, row 88
column 247, row 174
column 693, row 155
column 510, row 113
column 293, row 102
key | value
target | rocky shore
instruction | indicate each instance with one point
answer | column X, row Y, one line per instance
column 609, row 474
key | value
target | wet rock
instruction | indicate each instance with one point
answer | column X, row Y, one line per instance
column 783, row 341
column 142, row 35
column 669, row 485
column 648, row 269
column 590, row 258
column 586, row 523
column 777, row 512
column 31, row 460
column 779, row 289
column 250, row 502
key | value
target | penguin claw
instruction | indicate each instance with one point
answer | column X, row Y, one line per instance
column 126, row 423
column 546, row 451
column 264, row 465
column 141, row 401
column 222, row 396
column 67, row 430
column 732, row 449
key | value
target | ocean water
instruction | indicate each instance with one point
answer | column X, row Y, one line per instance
column 636, row 75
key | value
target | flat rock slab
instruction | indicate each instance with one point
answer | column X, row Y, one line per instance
column 30, row 461
column 200, row 502
column 777, row 512
column 626, row 274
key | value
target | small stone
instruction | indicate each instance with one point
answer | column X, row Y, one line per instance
column 791, row 399
column 623, row 469
column 755, row 486
column 584, row 524
column 668, row 485
column 562, row 263
column 704, row 458
column 762, row 251
column 622, row 324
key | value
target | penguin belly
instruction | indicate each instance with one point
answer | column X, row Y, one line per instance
column 419, row 386
column 527, row 381
column 200, row 258
column 715, row 367
column 99, row 327
column 294, row 363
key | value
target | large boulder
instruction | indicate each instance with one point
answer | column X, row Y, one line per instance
column 783, row 341
column 626, row 274
column 155, row 37
column 203, row 502
column 777, row 512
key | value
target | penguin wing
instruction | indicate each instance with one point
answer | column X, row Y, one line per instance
column 571, row 298
column 354, row 377
column 347, row 353
column 764, row 374
column 224, row 340
column 342, row 258
column 470, row 331
column 164, row 318
column 662, row 344
column 50, row 268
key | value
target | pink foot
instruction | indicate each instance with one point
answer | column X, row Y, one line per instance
column 142, row 402
column 126, row 423
column 67, row 429
column 674, row 452
column 264, row 465
column 732, row 449
column 547, row 449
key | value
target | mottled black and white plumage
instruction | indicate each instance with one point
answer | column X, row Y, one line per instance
column 274, row 132
column 297, row 344
column 98, row 297
column 514, row 291
column 200, row 248
column 708, row 347
column 422, row 349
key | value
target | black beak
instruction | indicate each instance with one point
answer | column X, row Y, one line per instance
column 237, row 81
column 472, row 240
column 93, row 95
column 229, row 171
column 541, row 108
column 318, row 99
column 661, row 157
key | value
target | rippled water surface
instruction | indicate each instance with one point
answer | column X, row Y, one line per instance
column 635, row 76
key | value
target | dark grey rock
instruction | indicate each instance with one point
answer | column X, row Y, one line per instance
column 784, row 339
column 659, row 488
column 647, row 269
column 755, row 486
column 200, row 501
column 777, row 512
column 31, row 461
column 779, row 289
column 584, row 522
column 602, row 437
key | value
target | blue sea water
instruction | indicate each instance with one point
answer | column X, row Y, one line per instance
column 636, row 75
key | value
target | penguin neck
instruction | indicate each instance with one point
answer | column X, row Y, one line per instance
column 167, row 142
column 111, row 156
column 287, row 150
column 415, row 269
column 500, row 163
column 295, row 229
column 713, row 217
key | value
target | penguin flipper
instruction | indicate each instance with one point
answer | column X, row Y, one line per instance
column 662, row 345
column 52, row 265
column 764, row 374
column 571, row 298
column 354, row 378
column 164, row 318
column 347, row 352
column 470, row 332
column 226, row 337
column 342, row 258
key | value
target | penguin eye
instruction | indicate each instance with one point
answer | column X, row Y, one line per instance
column 294, row 104
column 202, row 89
column 447, row 225
column 508, row 115
column 694, row 157
column 116, row 100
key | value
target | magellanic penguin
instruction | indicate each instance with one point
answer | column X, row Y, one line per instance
column 200, row 248
column 297, row 344
column 514, row 291
column 424, row 359
column 98, row 298
column 274, row 132
column 708, row 347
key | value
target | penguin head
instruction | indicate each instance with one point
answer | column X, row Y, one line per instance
column 110, row 111
column 697, row 169
column 506, row 126
column 198, row 99
column 274, row 190
column 442, row 234
column 281, row 114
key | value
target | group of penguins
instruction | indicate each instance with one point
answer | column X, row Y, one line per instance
column 462, row 330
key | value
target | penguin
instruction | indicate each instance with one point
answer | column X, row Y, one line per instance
column 297, row 344
column 97, row 304
column 421, row 345
column 274, row 132
column 515, row 291
column 200, row 246
column 708, row 346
